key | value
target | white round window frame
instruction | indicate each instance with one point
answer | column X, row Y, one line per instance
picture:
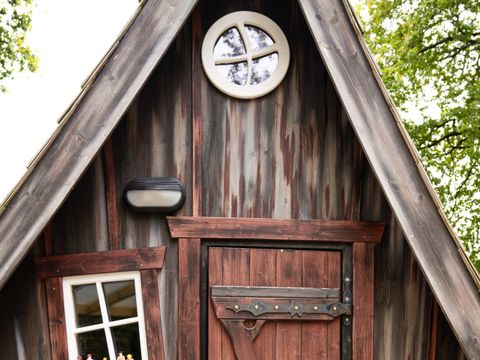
column 238, row 20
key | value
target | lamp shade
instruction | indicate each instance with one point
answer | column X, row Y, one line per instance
column 162, row 194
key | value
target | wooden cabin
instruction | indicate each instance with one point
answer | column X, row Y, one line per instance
column 308, row 228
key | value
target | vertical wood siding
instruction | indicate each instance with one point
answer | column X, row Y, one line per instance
column 24, row 331
column 268, row 157
column 154, row 139
column 289, row 154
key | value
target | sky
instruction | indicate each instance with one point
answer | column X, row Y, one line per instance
column 69, row 37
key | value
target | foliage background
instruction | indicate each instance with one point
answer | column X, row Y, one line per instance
column 15, row 55
column 429, row 53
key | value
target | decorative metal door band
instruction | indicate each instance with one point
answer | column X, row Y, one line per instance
column 282, row 303
column 295, row 308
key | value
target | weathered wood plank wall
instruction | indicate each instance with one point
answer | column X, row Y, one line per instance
column 290, row 154
column 24, row 331
column 156, row 134
column 267, row 157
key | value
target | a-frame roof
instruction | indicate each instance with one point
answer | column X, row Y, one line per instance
column 372, row 115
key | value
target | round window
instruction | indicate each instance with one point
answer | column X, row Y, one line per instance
column 245, row 54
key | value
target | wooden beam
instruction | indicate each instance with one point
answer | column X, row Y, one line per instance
column 151, row 310
column 363, row 259
column 197, row 125
column 100, row 262
column 80, row 138
column 274, row 291
column 189, row 299
column 385, row 143
column 111, row 196
column 274, row 229
column 56, row 319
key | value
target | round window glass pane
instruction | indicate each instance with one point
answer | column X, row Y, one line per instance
column 245, row 54
column 230, row 44
column 257, row 38
column 263, row 68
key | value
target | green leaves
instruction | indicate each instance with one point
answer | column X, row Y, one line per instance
column 15, row 55
column 431, row 49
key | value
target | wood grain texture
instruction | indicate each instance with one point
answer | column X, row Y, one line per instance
column 363, row 300
column 215, row 276
column 403, row 300
column 197, row 120
column 99, row 262
column 81, row 224
column 268, row 157
column 111, row 196
column 279, row 292
column 434, row 332
column 320, row 339
column 235, row 262
column 92, row 122
column 24, row 315
column 447, row 346
column 157, row 132
column 56, row 318
column 260, row 263
column 47, row 240
column 275, row 229
column 250, row 267
column 189, row 299
column 396, row 168
column 242, row 338
column 151, row 310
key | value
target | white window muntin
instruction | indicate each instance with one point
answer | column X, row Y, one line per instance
column 106, row 325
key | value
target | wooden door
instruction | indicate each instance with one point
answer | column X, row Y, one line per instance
column 225, row 262
column 272, row 303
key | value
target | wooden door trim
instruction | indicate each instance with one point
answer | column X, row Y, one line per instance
column 345, row 231
column 355, row 239
column 363, row 259
column 189, row 270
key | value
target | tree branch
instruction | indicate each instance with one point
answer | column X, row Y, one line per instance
column 438, row 141
column 444, row 41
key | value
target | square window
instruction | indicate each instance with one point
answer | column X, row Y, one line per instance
column 104, row 315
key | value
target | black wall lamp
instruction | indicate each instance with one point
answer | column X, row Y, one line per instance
column 162, row 194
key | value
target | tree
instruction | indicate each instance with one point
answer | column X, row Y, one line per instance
column 15, row 55
column 430, row 49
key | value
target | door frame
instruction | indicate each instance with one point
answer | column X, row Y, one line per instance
column 191, row 232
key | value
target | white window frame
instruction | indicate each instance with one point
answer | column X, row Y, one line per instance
column 239, row 20
column 106, row 325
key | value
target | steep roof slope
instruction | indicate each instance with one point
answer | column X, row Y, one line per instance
column 371, row 114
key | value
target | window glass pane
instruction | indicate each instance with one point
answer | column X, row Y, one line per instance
column 229, row 44
column 94, row 343
column 235, row 73
column 120, row 299
column 127, row 340
column 258, row 39
column 87, row 307
column 263, row 67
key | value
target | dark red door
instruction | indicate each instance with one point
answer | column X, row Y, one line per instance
column 275, row 304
